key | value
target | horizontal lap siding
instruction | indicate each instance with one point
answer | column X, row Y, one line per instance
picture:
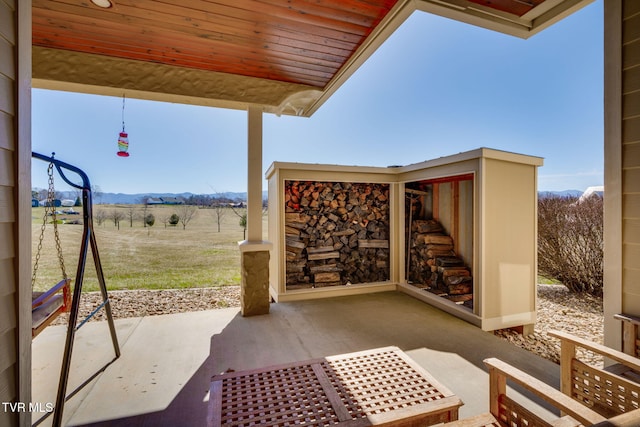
column 631, row 156
column 8, row 210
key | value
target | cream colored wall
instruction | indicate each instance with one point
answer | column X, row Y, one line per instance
column 445, row 206
column 622, row 165
column 275, row 222
column 508, row 218
column 631, row 157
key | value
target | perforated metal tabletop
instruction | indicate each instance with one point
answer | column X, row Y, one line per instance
column 375, row 387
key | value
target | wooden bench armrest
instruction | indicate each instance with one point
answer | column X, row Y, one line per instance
column 628, row 419
column 566, row 421
column 482, row 420
column 627, row 318
column 630, row 328
column 500, row 371
column 618, row 356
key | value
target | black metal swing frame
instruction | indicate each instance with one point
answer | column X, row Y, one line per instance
column 88, row 241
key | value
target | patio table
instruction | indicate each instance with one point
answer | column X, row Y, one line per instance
column 382, row 387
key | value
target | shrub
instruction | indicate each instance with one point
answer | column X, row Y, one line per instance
column 150, row 220
column 570, row 242
column 174, row 219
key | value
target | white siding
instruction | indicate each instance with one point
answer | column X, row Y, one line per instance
column 15, row 252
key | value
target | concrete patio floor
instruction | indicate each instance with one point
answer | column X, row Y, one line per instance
column 163, row 375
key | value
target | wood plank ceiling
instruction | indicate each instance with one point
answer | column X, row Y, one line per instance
column 297, row 41
column 293, row 41
column 288, row 56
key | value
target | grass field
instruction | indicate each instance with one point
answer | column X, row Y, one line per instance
column 136, row 257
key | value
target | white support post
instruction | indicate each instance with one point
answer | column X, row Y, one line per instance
column 254, row 175
column 254, row 252
column 613, row 165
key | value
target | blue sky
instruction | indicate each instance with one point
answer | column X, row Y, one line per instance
column 436, row 87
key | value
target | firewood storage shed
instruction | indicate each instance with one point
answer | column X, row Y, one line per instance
column 458, row 232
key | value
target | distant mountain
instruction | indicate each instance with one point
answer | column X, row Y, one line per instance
column 134, row 199
column 564, row 193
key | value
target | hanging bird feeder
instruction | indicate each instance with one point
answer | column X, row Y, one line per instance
column 123, row 144
column 123, row 138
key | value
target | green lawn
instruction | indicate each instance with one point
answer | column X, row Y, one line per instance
column 156, row 257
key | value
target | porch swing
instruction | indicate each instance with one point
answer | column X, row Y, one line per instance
column 48, row 305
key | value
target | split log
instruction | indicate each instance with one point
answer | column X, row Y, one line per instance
column 323, row 255
column 449, row 261
column 295, row 267
column 324, row 268
column 459, row 289
column 319, row 249
column 427, row 226
column 439, row 247
column 455, row 280
column 373, row 244
column 295, row 244
column 329, row 276
column 382, row 264
column 433, row 253
column 296, row 218
column 453, row 271
column 291, row 231
column 438, row 239
column 347, row 232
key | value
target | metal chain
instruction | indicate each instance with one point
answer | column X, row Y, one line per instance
column 50, row 206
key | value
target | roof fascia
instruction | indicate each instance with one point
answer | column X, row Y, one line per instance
column 524, row 27
column 396, row 16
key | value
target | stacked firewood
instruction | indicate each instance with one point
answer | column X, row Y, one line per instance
column 337, row 233
column 434, row 265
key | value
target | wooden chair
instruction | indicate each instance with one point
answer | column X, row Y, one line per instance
column 506, row 412
column 628, row 419
column 630, row 338
column 609, row 391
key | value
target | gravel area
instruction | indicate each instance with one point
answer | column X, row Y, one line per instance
column 558, row 309
column 139, row 303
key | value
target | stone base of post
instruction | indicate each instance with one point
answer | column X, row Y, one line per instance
column 254, row 290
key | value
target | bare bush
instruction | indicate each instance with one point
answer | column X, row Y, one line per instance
column 570, row 242
column 100, row 215
column 186, row 213
column 116, row 216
